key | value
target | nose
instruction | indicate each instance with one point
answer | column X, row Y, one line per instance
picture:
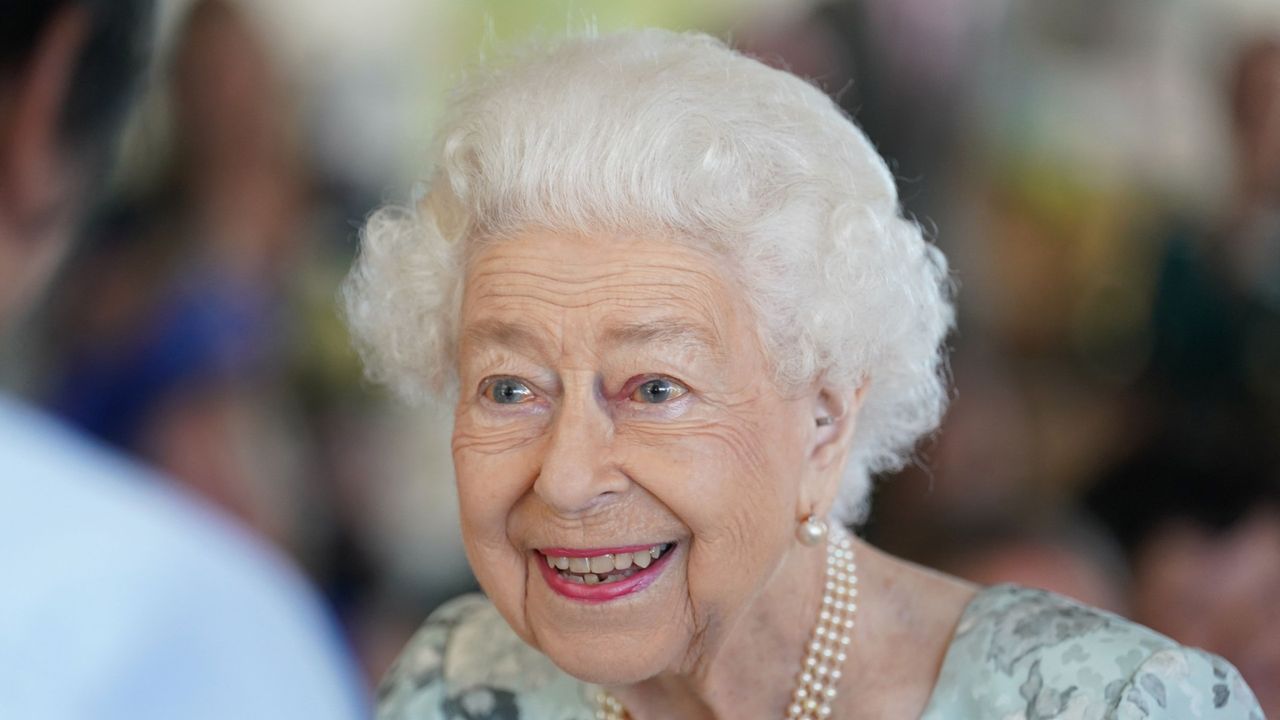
column 577, row 472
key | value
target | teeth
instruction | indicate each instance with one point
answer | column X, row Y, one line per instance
column 603, row 568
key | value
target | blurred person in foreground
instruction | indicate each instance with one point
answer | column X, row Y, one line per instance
column 118, row 597
column 685, row 322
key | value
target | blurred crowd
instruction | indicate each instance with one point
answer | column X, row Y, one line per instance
column 1104, row 177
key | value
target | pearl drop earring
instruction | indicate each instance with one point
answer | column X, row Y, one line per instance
column 812, row 531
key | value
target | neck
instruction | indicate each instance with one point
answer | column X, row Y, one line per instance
column 754, row 668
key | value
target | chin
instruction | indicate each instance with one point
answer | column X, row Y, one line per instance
column 610, row 660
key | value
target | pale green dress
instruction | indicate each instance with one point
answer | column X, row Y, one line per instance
column 1017, row 654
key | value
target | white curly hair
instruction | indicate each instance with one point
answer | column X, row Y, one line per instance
column 678, row 135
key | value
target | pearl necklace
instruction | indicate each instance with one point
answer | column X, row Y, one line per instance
column 825, row 654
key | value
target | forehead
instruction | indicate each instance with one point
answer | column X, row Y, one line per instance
column 619, row 289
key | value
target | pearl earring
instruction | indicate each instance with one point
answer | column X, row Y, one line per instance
column 812, row 531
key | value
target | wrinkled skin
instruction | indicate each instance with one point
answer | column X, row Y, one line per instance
column 560, row 440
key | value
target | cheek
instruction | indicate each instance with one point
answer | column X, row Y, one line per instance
column 493, row 473
column 734, row 485
column 493, row 467
column 714, row 476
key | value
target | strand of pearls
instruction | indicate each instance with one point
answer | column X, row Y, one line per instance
column 827, row 649
column 608, row 707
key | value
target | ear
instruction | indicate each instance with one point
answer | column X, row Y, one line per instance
column 835, row 417
column 34, row 175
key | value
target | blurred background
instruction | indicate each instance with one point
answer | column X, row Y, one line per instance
column 1104, row 176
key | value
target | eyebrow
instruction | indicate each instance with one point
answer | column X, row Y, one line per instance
column 504, row 334
column 668, row 332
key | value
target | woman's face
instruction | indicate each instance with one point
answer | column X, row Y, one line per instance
column 615, row 404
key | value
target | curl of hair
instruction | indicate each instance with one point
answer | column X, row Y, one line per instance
column 675, row 135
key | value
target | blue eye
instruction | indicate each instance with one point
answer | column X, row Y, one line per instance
column 508, row 391
column 657, row 390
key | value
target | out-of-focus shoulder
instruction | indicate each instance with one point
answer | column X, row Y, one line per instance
column 1182, row 682
column 1019, row 652
column 419, row 669
column 466, row 662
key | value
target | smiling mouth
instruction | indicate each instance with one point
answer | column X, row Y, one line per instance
column 575, row 567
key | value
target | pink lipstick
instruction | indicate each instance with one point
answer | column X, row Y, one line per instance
column 602, row 574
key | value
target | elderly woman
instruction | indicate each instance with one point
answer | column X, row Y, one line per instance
column 683, row 321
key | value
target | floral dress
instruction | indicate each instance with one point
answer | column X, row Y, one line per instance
column 1017, row 654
